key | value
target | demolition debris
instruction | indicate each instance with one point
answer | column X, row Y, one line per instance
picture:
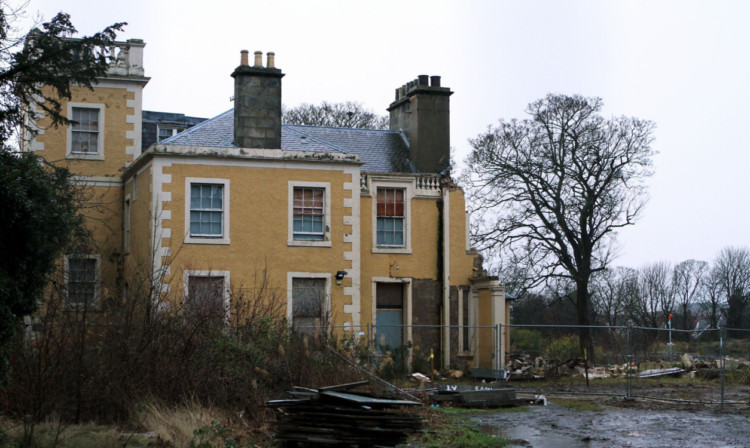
column 528, row 367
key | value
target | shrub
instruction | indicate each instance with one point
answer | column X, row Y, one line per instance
column 565, row 347
column 525, row 340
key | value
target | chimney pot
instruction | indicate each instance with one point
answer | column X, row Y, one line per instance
column 398, row 91
column 435, row 81
column 271, row 56
column 258, row 59
column 243, row 57
column 423, row 80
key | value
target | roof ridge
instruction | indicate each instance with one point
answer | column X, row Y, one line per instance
column 341, row 128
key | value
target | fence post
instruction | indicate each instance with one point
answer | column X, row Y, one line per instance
column 722, row 372
column 501, row 347
column 628, row 361
column 369, row 344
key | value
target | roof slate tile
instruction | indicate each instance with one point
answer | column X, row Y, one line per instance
column 382, row 151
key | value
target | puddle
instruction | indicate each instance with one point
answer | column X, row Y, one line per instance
column 556, row 426
column 527, row 436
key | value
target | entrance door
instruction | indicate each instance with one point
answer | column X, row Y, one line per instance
column 390, row 315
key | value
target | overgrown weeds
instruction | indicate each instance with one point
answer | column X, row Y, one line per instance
column 114, row 367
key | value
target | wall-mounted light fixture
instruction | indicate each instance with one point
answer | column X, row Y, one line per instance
column 340, row 277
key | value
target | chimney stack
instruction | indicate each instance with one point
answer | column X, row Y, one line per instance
column 422, row 111
column 257, row 103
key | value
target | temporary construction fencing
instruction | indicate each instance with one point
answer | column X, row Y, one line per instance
column 632, row 361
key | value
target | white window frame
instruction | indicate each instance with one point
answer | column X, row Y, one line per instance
column 186, row 274
column 95, row 303
column 99, row 155
column 126, row 224
column 408, row 187
column 175, row 130
column 224, row 239
column 326, row 241
column 290, row 276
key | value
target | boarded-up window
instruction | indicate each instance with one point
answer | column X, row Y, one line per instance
column 205, row 299
column 308, row 303
column 390, row 295
column 390, row 223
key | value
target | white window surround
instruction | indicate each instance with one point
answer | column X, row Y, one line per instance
column 99, row 155
column 98, row 279
column 326, row 242
column 186, row 274
column 408, row 186
column 201, row 240
column 289, row 291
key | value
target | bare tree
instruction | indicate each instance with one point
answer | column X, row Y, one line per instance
column 732, row 270
column 656, row 290
column 554, row 189
column 340, row 115
column 652, row 296
column 712, row 305
column 688, row 282
column 611, row 290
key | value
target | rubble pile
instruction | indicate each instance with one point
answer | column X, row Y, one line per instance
column 523, row 366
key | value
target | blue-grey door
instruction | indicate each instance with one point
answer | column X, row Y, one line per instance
column 389, row 328
column 389, row 304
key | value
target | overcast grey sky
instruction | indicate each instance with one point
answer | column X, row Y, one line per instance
column 683, row 64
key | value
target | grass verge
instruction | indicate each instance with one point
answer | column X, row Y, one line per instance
column 451, row 427
column 55, row 434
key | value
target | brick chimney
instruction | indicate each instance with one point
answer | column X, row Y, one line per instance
column 257, row 103
column 422, row 111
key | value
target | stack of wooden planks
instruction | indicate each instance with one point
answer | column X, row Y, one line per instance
column 336, row 416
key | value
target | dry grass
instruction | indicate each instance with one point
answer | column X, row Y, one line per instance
column 178, row 425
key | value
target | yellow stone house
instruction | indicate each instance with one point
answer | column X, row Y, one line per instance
column 360, row 230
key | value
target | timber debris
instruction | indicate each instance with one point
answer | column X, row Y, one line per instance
column 339, row 416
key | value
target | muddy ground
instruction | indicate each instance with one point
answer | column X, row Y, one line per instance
column 640, row 422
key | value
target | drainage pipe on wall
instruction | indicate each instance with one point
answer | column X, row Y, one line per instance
column 446, row 355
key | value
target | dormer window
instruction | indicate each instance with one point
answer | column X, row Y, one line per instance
column 164, row 133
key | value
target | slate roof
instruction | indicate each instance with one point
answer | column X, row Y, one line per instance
column 382, row 151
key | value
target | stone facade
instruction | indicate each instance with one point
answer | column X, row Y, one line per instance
column 183, row 210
